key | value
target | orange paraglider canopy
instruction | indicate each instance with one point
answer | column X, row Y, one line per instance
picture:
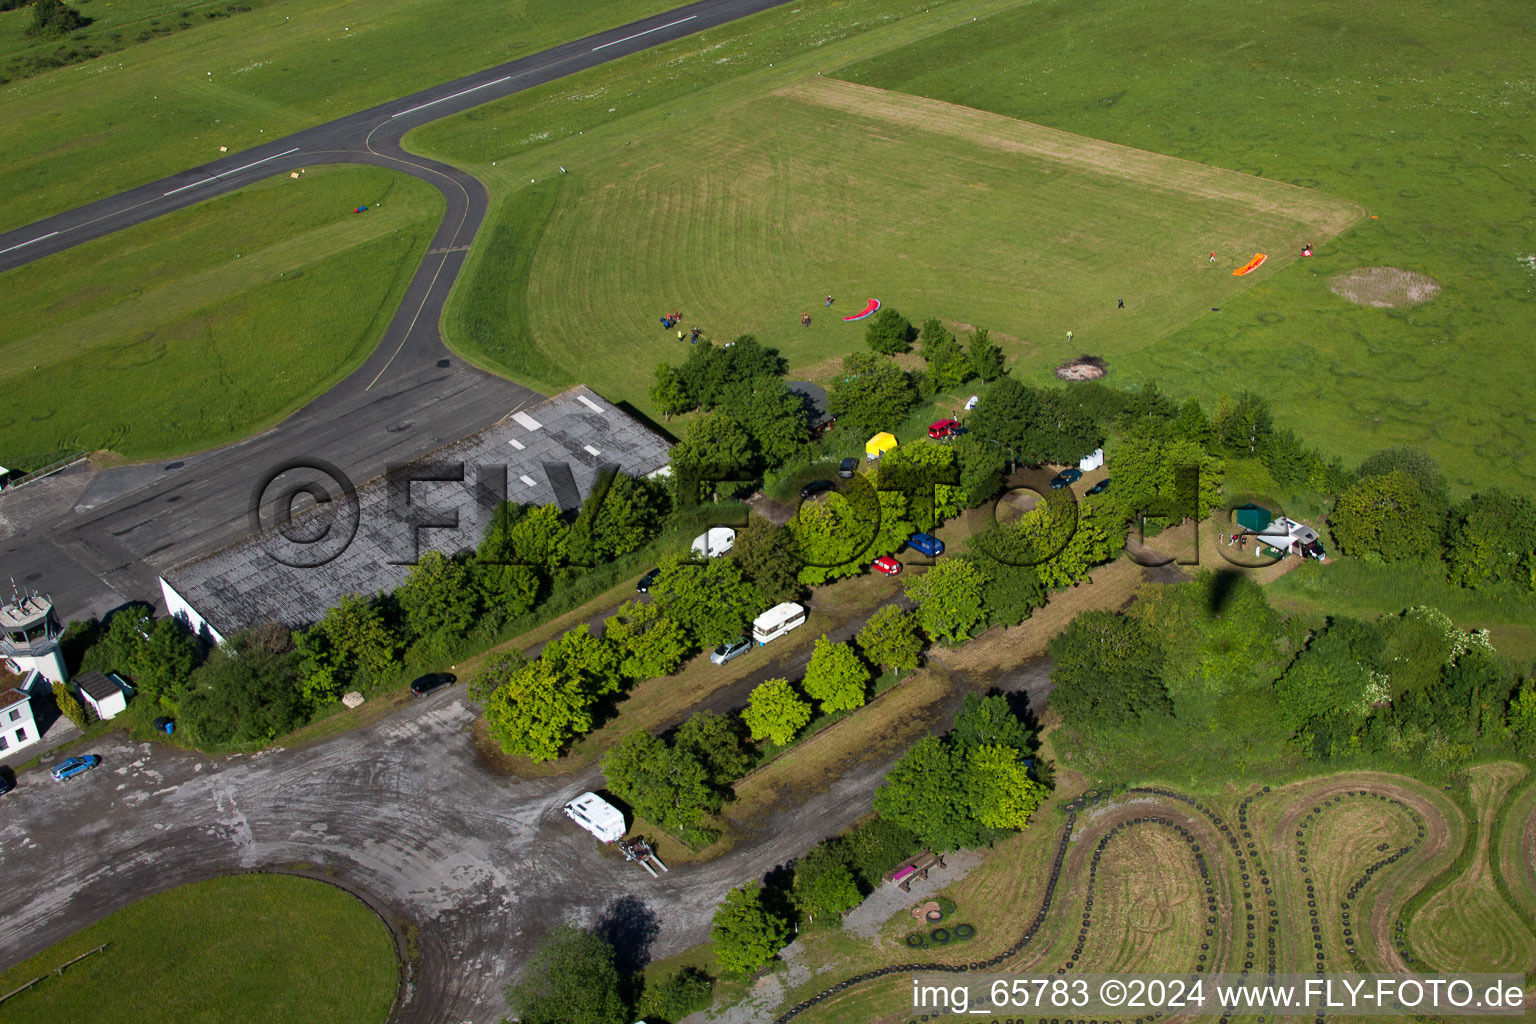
column 1251, row 265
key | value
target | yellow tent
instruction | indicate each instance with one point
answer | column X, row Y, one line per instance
column 879, row 445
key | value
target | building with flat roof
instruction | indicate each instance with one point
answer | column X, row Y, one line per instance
column 327, row 542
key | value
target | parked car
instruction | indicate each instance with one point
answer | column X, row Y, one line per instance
column 427, row 683
column 1065, row 478
column 1100, row 487
column 70, row 767
column 926, row 543
column 847, row 468
column 644, row 586
column 944, row 428
column 815, row 487
column 735, row 649
column 886, row 566
column 7, row 781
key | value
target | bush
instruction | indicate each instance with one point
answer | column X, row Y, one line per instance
column 688, row 991
column 69, row 706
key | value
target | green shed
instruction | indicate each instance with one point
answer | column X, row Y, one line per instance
column 1252, row 517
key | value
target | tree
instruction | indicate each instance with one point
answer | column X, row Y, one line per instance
column 1217, row 636
column 570, row 979
column 928, row 475
column 617, row 520
column 665, row 785
column 715, row 448
column 70, row 706
column 712, row 602
column 668, row 394
column 1244, row 425
column 1011, row 593
column 588, row 662
column 771, row 414
column 247, row 691
column 947, row 362
column 889, row 332
column 1005, row 413
column 775, row 712
column 871, row 393
column 53, row 18
column 1163, row 477
column 351, row 645
column 1413, row 461
column 986, row 358
column 1387, row 516
column 770, row 558
column 835, row 677
column 824, row 883
column 890, row 637
column 834, row 537
column 683, row 992
column 1105, row 670
column 1522, row 719
column 998, row 787
column 948, row 599
column 990, row 722
column 539, row 537
column 1490, row 539
column 535, row 711
column 651, row 644
column 927, row 793
column 713, row 740
column 439, row 602
column 746, row 934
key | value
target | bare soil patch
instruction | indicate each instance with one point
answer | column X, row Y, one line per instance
column 1385, row 286
column 1084, row 367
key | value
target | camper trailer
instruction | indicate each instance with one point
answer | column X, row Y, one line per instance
column 777, row 621
column 597, row 816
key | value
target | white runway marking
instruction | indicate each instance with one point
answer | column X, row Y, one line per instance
column 237, row 170
column 445, row 99
column 22, row 245
column 647, row 32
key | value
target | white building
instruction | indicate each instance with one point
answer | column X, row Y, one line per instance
column 105, row 695
column 17, row 727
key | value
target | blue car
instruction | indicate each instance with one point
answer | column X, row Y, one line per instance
column 926, row 543
column 68, row 769
column 1065, row 478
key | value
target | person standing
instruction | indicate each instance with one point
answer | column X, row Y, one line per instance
column 1122, row 304
column 1213, row 256
column 829, row 300
column 1069, row 337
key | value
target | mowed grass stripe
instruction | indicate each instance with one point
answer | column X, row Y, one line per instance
column 1327, row 215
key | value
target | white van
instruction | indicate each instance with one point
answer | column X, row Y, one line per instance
column 597, row 816
column 777, row 621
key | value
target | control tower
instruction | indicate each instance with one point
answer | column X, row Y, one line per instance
column 29, row 636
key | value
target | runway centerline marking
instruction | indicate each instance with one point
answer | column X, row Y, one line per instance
column 647, row 32
column 22, row 245
column 236, row 170
column 445, row 99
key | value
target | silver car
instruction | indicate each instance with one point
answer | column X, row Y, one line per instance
column 725, row 652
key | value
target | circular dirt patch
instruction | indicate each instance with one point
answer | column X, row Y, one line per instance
column 1385, row 286
column 1082, row 368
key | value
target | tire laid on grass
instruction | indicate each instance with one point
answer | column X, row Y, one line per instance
column 940, row 936
column 964, row 931
column 917, row 940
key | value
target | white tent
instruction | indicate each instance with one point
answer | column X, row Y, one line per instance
column 714, row 542
column 1091, row 462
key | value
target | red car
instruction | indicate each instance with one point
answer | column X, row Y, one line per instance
column 886, row 566
column 944, row 428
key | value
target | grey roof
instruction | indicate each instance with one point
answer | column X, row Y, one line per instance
column 97, row 685
column 552, row 452
column 815, row 401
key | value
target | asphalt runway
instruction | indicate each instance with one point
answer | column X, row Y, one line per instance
column 108, row 544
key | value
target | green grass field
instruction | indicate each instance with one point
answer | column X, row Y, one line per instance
column 248, row 948
column 159, row 340
column 90, row 130
column 1423, row 116
column 698, row 182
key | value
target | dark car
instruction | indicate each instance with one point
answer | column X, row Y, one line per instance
column 1065, row 478
column 1100, row 487
column 644, row 586
column 815, row 487
column 427, row 683
column 847, row 468
column 7, row 781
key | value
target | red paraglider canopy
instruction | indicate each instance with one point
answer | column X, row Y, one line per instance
column 873, row 305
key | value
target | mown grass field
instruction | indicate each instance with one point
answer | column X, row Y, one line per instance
column 247, row 948
column 93, row 129
column 206, row 325
column 823, row 187
column 1421, row 114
